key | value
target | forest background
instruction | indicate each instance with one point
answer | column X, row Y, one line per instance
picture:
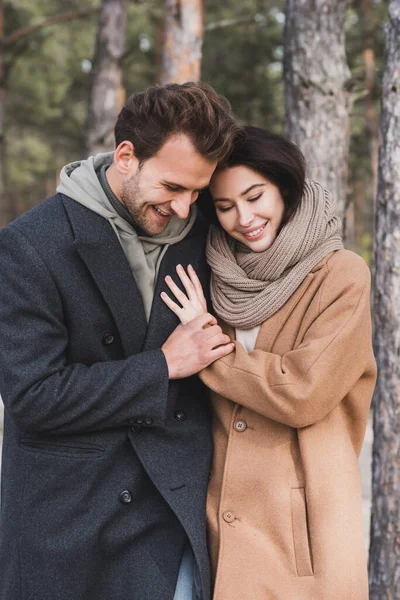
column 47, row 77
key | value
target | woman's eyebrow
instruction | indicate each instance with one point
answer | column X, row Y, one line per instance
column 246, row 191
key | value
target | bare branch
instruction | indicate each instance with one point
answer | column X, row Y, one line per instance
column 229, row 22
column 55, row 20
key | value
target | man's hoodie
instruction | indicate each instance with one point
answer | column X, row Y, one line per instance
column 80, row 181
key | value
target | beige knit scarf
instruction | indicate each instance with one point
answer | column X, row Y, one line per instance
column 249, row 287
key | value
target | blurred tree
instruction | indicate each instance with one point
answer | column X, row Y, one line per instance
column 183, row 41
column 16, row 38
column 49, row 80
column 384, row 565
column 242, row 58
column 107, row 93
column 316, row 99
column 365, row 49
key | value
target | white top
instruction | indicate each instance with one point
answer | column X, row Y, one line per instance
column 247, row 337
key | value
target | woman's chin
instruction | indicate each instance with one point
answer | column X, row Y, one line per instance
column 258, row 245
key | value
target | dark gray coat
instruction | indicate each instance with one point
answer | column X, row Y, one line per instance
column 105, row 461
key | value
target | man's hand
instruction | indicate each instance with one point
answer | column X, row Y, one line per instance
column 192, row 347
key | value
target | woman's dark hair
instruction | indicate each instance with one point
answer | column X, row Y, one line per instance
column 275, row 158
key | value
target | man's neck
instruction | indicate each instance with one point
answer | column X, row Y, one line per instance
column 113, row 181
column 116, row 202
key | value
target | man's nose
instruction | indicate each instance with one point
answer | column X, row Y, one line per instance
column 181, row 205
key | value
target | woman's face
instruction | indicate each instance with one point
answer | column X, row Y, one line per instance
column 249, row 207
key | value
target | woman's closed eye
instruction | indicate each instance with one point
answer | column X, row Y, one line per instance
column 255, row 198
column 223, row 208
column 226, row 208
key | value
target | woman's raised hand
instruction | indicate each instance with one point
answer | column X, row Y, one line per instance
column 193, row 303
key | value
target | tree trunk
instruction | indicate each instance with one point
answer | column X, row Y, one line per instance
column 183, row 41
column 384, row 565
column 372, row 117
column 7, row 208
column 316, row 99
column 107, row 93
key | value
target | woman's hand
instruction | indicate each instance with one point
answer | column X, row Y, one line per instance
column 194, row 303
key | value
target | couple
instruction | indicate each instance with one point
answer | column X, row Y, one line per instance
column 113, row 453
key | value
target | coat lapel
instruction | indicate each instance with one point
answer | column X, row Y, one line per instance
column 162, row 320
column 103, row 255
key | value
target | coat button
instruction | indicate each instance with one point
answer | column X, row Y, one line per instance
column 240, row 426
column 148, row 421
column 125, row 497
column 108, row 339
column 180, row 415
column 139, row 421
column 229, row 516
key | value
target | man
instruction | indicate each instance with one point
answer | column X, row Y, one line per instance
column 107, row 440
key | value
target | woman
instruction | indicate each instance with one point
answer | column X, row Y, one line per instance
column 291, row 402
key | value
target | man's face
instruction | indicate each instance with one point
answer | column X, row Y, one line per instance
column 166, row 184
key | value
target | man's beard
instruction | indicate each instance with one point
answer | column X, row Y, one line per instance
column 132, row 199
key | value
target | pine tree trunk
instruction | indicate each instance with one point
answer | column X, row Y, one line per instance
column 316, row 100
column 107, row 92
column 7, row 209
column 183, row 41
column 384, row 565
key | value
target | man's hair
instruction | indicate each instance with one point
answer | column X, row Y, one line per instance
column 195, row 109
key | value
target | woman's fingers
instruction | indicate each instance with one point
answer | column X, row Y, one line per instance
column 171, row 304
column 196, row 282
column 179, row 295
column 187, row 283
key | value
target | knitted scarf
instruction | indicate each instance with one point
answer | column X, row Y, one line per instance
column 249, row 287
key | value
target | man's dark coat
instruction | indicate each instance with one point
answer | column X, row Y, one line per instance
column 105, row 461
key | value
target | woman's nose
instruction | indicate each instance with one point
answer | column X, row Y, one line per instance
column 245, row 217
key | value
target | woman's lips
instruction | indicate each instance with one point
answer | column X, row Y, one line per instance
column 255, row 234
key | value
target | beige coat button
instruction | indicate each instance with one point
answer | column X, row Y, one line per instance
column 229, row 516
column 240, row 426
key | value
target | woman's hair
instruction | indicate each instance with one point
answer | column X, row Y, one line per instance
column 275, row 158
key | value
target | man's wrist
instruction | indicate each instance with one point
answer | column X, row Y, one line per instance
column 171, row 371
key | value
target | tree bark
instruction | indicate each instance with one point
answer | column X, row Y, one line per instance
column 107, row 93
column 384, row 564
column 7, row 209
column 316, row 99
column 183, row 41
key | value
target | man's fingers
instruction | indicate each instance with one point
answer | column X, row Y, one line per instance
column 212, row 331
column 203, row 320
column 220, row 339
column 222, row 351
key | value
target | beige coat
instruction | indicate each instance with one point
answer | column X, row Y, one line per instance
column 284, row 505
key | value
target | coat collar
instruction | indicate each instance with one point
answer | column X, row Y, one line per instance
column 190, row 250
column 103, row 255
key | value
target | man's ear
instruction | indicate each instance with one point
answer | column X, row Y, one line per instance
column 125, row 160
